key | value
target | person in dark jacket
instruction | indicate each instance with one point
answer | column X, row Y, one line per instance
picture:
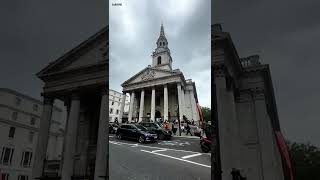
column 188, row 129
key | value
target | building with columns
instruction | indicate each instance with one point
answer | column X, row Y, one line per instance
column 159, row 91
column 79, row 78
column 116, row 101
column 249, row 128
column 19, row 127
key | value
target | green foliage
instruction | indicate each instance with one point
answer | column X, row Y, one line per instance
column 206, row 113
column 306, row 160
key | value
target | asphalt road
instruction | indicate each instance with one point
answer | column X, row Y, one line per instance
column 178, row 159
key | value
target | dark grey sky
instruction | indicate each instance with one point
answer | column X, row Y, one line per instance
column 285, row 34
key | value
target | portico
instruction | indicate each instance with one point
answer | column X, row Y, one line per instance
column 79, row 79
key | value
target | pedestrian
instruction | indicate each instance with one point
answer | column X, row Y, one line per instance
column 174, row 130
column 188, row 129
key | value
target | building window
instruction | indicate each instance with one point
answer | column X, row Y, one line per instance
column 33, row 121
column 111, row 111
column 6, row 155
column 112, row 103
column 35, row 107
column 159, row 60
column 22, row 177
column 31, row 135
column 5, row 176
column 26, row 159
column 11, row 132
column 14, row 115
column 117, row 112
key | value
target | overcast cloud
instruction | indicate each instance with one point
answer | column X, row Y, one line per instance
column 285, row 34
column 135, row 28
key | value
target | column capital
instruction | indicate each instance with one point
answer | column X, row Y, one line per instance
column 75, row 96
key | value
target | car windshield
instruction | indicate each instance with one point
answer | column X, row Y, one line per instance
column 140, row 127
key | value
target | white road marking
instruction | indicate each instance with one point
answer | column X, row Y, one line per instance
column 190, row 156
column 130, row 144
column 159, row 150
column 134, row 145
column 176, row 158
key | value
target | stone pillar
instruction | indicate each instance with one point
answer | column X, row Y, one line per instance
column 179, row 101
column 102, row 141
column 71, row 138
column 131, row 107
column 165, row 97
column 123, row 103
column 183, row 103
column 153, row 104
column 43, row 135
column 141, row 105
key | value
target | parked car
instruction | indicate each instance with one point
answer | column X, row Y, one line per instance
column 113, row 128
column 136, row 132
column 161, row 132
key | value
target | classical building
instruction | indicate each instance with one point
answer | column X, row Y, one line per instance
column 159, row 91
column 19, row 127
column 116, row 100
column 249, row 128
column 79, row 78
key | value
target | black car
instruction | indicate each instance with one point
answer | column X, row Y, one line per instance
column 136, row 132
column 161, row 132
column 113, row 128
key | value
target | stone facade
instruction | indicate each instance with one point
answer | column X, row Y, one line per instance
column 80, row 79
column 158, row 91
column 247, row 112
column 116, row 101
column 19, row 128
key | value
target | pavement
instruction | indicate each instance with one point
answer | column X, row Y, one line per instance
column 179, row 158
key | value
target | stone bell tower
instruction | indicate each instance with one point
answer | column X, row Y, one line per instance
column 161, row 57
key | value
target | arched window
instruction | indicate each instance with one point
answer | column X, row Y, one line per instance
column 159, row 60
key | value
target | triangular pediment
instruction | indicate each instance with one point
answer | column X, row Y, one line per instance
column 89, row 53
column 150, row 73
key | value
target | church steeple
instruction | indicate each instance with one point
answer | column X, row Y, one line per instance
column 161, row 56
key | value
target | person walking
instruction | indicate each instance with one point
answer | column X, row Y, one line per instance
column 188, row 129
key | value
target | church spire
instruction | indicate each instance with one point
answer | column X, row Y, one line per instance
column 162, row 30
column 162, row 40
column 161, row 56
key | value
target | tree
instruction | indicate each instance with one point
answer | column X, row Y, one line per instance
column 306, row 160
column 206, row 114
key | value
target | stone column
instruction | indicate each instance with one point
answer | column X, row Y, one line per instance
column 131, row 107
column 183, row 103
column 71, row 138
column 102, row 141
column 123, row 103
column 43, row 135
column 141, row 105
column 179, row 101
column 165, row 102
column 153, row 104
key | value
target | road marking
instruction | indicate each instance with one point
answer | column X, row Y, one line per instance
column 130, row 144
column 113, row 142
column 134, row 145
column 176, row 158
column 159, row 150
column 190, row 156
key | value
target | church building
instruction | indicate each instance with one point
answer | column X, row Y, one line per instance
column 161, row 92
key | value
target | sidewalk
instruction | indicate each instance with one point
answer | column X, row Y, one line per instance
column 183, row 134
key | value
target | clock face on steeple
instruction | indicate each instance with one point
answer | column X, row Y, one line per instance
column 161, row 56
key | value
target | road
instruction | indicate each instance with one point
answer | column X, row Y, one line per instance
column 180, row 158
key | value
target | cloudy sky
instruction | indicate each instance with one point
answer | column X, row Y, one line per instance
column 284, row 33
column 135, row 28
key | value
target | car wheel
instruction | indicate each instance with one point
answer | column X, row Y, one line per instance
column 141, row 139
column 161, row 136
column 119, row 136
